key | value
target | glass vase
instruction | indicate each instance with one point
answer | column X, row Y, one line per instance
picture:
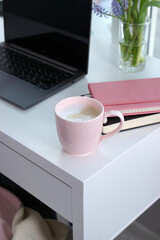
column 133, row 43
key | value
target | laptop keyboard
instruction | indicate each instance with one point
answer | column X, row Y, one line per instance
column 31, row 70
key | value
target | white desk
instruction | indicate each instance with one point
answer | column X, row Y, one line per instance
column 101, row 194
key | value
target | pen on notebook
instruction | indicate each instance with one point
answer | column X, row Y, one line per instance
column 86, row 95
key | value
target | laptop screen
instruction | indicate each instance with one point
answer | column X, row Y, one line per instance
column 56, row 29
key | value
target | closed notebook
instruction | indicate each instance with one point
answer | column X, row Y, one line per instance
column 131, row 121
column 129, row 96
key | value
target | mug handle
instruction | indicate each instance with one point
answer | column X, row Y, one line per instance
column 111, row 113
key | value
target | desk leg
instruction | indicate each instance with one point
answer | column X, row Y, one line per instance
column 77, row 211
column 84, row 216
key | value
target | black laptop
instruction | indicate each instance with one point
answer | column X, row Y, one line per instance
column 46, row 48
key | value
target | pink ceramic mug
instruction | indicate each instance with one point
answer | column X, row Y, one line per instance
column 78, row 132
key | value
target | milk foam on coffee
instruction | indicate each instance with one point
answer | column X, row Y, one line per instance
column 78, row 113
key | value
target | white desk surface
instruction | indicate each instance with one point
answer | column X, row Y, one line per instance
column 116, row 174
column 35, row 128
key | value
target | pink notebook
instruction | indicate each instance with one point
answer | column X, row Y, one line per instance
column 130, row 97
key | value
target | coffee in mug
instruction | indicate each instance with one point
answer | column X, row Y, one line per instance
column 78, row 113
column 79, row 122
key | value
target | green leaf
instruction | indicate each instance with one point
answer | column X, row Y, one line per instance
column 134, row 11
column 135, row 3
column 149, row 4
column 129, row 12
column 143, row 10
column 142, row 2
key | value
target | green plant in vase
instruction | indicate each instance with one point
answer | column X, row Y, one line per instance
column 134, row 29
